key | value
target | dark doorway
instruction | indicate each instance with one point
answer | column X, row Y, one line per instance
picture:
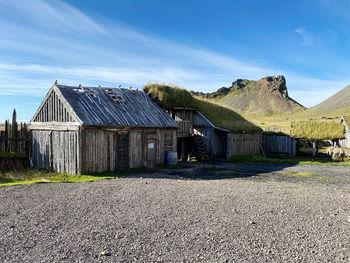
column 122, row 158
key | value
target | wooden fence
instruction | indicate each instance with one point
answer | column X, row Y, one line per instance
column 279, row 144
column 15, row 138
column 244, row 143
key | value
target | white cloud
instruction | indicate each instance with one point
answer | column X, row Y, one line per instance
column 41, row 47
column 53, row 15
column 309, row 38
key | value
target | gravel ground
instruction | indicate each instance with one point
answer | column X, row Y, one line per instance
column 197, row 214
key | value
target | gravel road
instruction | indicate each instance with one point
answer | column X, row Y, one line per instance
column 258, row 214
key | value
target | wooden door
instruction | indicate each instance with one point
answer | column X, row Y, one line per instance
column 122, row 154
column 151, row 148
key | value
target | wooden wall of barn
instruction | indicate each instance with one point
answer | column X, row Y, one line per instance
column 56, row 150
column 244, row 143
column 279, row 144
column 113, row 150
column 219, row 147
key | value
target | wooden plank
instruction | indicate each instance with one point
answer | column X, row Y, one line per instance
column 73, row 126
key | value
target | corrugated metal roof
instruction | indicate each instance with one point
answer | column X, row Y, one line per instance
column 115, row 107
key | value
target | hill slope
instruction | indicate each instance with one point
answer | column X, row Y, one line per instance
column 338, row 104
column 267, row 96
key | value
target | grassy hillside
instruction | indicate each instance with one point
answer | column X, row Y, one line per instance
column 338, row 103
column 265, row 97
column 326, row 113
column 319, row 122
column 170, row 97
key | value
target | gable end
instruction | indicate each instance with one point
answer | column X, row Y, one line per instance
column 54, row 108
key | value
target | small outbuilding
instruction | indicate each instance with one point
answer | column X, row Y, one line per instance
column 94, row 129
column 206, row 130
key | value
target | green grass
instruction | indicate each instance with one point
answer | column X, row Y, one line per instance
column 32, row 176
column 256, row 159
column 170, row 97
column 298, row 174
column 317, row 130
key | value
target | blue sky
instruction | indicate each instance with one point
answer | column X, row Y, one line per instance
column 200, row 45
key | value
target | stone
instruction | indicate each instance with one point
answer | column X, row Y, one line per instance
column 105, row 253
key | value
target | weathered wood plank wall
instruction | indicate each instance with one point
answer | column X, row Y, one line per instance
column 56, row 150
column 184, row 118
column 219, row 144
column 244, row 143
column 279, row 144
column 146, row 147
column 54, row 108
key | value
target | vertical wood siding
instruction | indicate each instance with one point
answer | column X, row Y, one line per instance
column 244, row 143
column 281, row 144
column 101, row 149
column 54, row 109
column 219, row 144
column 97, row 150
column 56, row 150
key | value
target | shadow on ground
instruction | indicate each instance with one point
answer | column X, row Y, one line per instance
column 214, row 171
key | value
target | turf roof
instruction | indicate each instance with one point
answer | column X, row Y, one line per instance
column 170, row 96
column 317, row 130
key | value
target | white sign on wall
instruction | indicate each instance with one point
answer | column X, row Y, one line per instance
column 150, row 145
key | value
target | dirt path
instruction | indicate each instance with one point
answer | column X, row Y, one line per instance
column 234, row 213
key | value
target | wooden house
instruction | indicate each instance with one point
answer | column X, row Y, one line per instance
column 199, row 136
column 94, row 129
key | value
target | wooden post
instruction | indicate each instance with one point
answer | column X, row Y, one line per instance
column 6, row 135
column 14, row 131
column 314, row 148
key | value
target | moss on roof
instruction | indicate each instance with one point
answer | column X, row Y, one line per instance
column 317, row 130
column 171, row 96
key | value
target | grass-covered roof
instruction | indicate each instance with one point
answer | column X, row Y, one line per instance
column 170, row 97
column 317, row 130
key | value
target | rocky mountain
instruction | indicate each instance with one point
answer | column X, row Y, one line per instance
column 267, row 96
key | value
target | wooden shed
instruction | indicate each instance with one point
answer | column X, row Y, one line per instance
column 94, row 129
column 197, row 134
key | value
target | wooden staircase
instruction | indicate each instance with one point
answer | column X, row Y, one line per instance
column 201, row 149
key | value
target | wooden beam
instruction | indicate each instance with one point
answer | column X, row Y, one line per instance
column 56, row 126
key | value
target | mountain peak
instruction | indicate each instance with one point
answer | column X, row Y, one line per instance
column 265, row 96
column 269, row 84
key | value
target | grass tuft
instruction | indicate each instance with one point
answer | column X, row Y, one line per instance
column 32, row 176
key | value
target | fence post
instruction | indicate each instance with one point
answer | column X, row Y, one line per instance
column 14, row 131
column 6, row 135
